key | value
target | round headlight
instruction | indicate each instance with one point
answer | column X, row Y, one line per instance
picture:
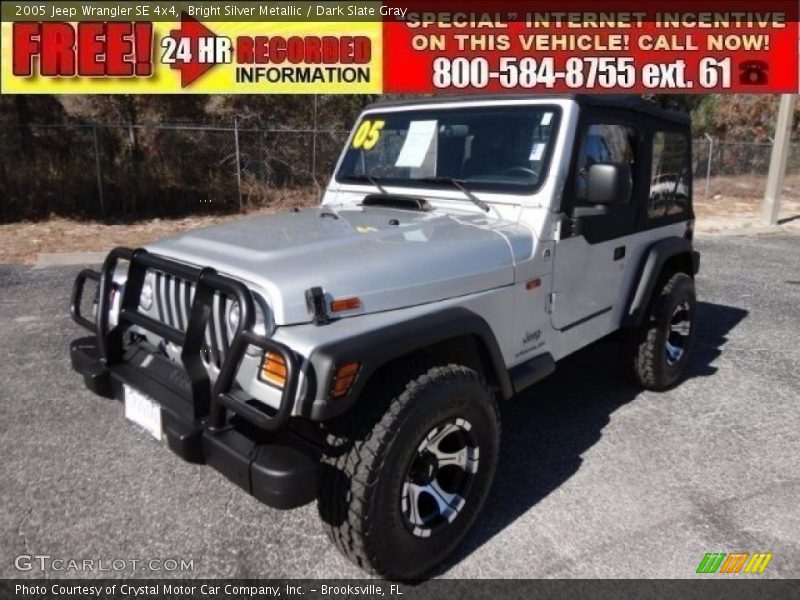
column 262, row 324
column 146, row 298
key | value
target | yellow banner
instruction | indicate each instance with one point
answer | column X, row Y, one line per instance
column 192, row 57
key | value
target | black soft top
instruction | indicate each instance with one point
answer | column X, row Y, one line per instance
column 630, row 102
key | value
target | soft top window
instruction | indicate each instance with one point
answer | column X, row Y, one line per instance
column 669, row 175
column 603, row 143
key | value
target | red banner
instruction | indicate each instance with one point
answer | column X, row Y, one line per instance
column 630, row 47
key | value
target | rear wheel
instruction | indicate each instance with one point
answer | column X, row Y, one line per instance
column 661, row 346
column 406, row 472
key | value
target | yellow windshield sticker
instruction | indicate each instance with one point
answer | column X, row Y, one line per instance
column 368, row 134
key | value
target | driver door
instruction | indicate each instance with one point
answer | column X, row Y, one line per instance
column 591, row 256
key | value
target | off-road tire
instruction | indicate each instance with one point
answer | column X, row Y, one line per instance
column 651, row 367
column 366, row 462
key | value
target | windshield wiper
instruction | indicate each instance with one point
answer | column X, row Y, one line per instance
column 369, row 179
column 458, row 183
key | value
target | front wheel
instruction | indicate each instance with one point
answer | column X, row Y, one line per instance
column 405, row 475
column 662, row 344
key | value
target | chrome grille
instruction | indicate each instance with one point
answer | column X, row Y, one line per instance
column 173, row 301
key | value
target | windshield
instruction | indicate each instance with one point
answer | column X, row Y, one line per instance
column 498, row 148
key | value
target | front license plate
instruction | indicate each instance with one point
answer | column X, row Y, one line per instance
column 143, row 411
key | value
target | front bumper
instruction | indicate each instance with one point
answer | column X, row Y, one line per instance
column 203, row 423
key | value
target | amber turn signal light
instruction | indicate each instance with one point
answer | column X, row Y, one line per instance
column 273, row 369
column 344, row 378
column 345, row 304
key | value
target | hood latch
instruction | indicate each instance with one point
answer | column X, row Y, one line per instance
column 315, row 300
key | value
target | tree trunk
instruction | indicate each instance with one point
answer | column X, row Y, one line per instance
column 136, row 152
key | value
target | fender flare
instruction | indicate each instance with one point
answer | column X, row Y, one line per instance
column 649, row 271
column 376, row 348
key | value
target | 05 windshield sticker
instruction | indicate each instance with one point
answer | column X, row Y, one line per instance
column 368, row 134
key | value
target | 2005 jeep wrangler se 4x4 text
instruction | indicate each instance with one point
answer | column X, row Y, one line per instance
column 355, row 352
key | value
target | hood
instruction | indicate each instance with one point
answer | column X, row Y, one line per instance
column 388, row 258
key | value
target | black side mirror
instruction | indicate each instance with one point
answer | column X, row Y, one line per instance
column 609, row 183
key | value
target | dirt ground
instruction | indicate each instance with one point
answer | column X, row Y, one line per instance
column 733, row 205
column 732, row 208
column 23, row 242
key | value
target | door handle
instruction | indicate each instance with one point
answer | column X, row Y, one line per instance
column 619, row 252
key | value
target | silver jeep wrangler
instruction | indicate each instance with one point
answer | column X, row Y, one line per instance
column 354, row 353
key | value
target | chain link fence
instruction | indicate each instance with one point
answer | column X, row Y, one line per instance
column 94, row 170
column 736, row 169
column 101, row 170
